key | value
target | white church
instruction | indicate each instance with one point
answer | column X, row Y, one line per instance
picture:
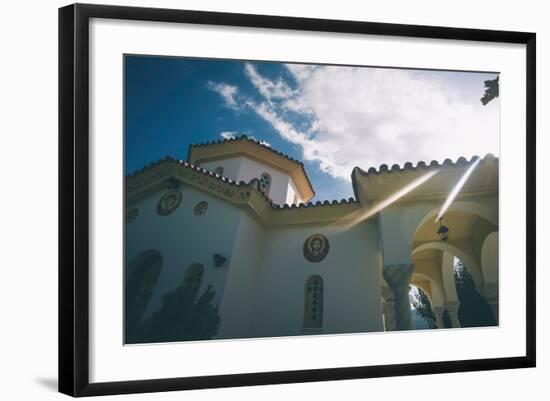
column 236, row 218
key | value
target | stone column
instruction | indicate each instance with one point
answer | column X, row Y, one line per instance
column 452, row 310
column 438, row 313
column 388, row 309
column 490, row 292
column 398, row 278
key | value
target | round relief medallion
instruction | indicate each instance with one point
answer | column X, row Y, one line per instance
column 169, row 202
column 131, row 215
column 316, row 248
column 200, row 208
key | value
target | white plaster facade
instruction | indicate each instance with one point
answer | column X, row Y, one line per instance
column 239, row 169
column 375, row 252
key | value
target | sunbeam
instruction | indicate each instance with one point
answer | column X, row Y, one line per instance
column 456, row 189
column 359, row 216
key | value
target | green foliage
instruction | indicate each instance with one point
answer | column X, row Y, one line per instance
column 474, row 311
column 181, row 318
column 421, row 303
column 491, row 91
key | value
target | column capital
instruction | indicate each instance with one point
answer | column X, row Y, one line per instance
column 398, row 276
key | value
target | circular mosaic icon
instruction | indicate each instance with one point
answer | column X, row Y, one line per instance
column 200, row 208
column 316, row 248
column 169, row 202
column 131, row 215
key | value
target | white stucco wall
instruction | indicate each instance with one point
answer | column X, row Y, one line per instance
column 292, row 194
column 237, row 307
column 350, row 278
column 245, row 169
column 231, row 167
column 279, row 181
column 260, row 288
column 183, row 239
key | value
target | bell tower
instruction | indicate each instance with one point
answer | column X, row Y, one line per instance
column 282, row 178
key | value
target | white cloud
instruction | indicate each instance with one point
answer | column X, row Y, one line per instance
column 312, row 149
column 226, row 91
column 228, row 134
column 371, row 116
column 268, row 89
column 301, row 71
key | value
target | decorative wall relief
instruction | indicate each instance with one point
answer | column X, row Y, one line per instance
column 169, row 202
column 200, row 208
column 316, row 248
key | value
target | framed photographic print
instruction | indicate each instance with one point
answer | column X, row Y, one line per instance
column 249, row 199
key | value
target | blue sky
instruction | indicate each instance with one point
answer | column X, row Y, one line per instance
column 333, row 118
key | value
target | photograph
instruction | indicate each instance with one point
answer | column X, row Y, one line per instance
column 277, row 198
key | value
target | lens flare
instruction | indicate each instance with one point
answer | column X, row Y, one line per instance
column 456, row 189
column 361, row 215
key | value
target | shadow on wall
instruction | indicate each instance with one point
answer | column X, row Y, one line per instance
column 182, row 317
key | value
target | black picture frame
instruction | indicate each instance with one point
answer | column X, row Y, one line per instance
column 74, row 198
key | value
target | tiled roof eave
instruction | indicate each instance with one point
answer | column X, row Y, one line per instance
column 257, row 143
column 421, row 165
column 253, row 184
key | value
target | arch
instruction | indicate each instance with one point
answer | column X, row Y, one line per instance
column 313, row 303
column 265, row 183
column 473, row 266
column 426, row 314
column 141, row 276
column 415, row 283
column 489, row 258
column 192, row 279
column 471, row 207
column 436, row 294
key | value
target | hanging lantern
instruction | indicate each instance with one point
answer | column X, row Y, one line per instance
column 443, row 231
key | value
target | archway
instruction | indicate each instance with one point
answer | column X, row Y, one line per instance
column 472, row 240
column 421, row 308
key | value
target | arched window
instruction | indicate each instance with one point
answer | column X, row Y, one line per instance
column 265, row 183
column 218, row 170
column 313, row 312
column 193, row 278
column 141, row 276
